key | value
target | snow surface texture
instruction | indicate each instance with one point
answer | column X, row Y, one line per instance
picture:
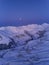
column 25, row 45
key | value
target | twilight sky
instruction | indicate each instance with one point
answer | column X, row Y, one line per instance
column 21, row 12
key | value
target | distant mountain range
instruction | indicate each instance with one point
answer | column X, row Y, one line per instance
column 23, row 22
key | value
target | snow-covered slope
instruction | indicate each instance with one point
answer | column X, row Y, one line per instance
column 25, row 45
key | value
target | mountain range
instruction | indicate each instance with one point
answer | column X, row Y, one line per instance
column 24, row 45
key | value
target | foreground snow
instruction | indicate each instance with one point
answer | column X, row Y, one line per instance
column 25, row 45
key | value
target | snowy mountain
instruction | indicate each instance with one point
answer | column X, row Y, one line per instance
column 24, row 45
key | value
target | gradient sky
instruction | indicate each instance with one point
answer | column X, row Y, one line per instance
column 21, row 12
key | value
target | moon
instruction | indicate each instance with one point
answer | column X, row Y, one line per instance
column 19, row 18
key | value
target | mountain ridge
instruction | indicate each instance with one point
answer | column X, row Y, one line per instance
column 24, row 45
